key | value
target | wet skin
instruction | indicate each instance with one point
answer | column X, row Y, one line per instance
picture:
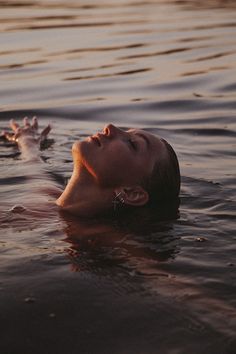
column 107, row 162
column 116, row 157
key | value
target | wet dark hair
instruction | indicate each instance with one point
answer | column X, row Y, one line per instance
column 163, row 185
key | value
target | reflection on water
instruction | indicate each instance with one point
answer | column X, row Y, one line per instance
column 126, row 244
column 165, row 66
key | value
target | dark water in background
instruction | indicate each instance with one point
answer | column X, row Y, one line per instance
column 165, row 66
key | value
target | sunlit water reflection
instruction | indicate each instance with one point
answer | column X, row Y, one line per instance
column 165, row 66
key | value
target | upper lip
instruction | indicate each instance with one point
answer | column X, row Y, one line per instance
column 97, row 139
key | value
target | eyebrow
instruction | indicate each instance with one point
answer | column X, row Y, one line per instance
column 147, row 141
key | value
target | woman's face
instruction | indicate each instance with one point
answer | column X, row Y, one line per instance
column 119, row 158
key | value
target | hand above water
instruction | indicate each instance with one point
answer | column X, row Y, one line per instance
column 27, row 137
column 27, row 133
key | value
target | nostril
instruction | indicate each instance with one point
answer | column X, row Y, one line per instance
column 106, row 130
column 110, row 130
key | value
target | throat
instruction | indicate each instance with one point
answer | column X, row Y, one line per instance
column 83, row 196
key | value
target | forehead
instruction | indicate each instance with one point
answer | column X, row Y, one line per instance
column 155, row 140
column 157, row 149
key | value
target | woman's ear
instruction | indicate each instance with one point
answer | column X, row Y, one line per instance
column 134, row 195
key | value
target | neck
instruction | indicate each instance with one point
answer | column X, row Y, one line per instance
column 83, row 196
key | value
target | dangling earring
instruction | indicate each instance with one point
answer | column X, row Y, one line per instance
column 118, row 200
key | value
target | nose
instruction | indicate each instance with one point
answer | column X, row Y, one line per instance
column 112, row 131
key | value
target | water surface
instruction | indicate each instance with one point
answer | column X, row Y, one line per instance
column 97, row 287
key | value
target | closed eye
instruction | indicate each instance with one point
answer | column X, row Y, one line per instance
column 133, row 144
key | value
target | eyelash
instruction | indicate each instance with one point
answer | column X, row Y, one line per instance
column 132, row 144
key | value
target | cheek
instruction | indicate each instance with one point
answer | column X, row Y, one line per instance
column 113, row 164
column 119, row 169
column 113, row 169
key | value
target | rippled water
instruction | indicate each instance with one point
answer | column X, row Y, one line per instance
column 73, row 287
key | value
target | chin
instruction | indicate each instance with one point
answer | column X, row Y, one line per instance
column 76, row 147
column 80, row 150
column 59, row 202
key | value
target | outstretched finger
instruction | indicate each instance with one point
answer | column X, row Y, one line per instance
column 26, row 122
column 3, row 134
column 8, row 136
column 14, row 126
column 35, row 123
column 46, row 131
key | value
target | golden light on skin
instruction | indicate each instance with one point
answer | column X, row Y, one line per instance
column 111, row 162
column 79, row 160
